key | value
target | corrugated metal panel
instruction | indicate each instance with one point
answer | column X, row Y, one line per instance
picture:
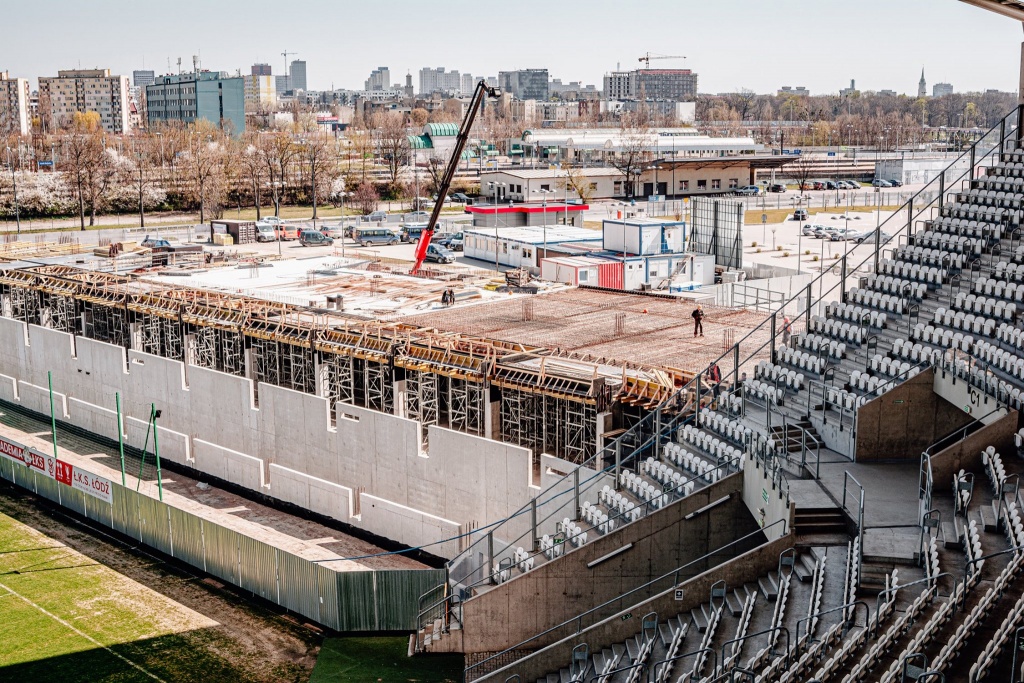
column 97, row 510
column 153, row 520
column 221, row 552
column 7, row 469
column 72, row 499
column 126, row 511
column 48, row 488
column 258, row 568
column 327, row 583
column 187, row 537
column 357, row 604
column 299, row 589
column 609, row 274
column 398, row 593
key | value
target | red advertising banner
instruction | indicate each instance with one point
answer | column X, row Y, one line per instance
column 64, row 472
column 12, row 450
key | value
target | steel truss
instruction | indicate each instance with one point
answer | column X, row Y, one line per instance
column 232, row 352
column 24, row 304
column 109, row 325
column 378, row 388
column 466, row 402
column 61, row 313
column 203, row 347
column 338, row 385
column 298, row 368
column 421, row 398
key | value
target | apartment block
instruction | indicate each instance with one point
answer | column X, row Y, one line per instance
column 84, row 90
column 14, row 108
column 209, row 95
column 260, row 90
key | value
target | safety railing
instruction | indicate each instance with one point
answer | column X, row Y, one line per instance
column 920, row 206
column 858, row 499
column 584, row 620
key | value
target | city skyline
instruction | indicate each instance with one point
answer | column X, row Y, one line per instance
column 341, row 47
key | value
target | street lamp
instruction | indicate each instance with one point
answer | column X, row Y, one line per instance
column 14, row 182
column 495, row 186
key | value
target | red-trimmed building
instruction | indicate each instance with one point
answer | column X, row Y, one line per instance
column 527, row 215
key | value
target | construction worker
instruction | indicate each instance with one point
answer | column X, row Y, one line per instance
column 698, row 320
column 714, row 377
column 787, row 330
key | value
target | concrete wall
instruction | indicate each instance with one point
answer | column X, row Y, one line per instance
column 966, row 454
column 209, row 421
column 766, row 501
column 556, row 591
column 626, row 622
column 903, row 422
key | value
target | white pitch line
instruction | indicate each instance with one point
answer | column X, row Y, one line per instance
column 84, row 635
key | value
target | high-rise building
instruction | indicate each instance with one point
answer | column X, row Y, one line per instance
column 209, row 95
column 525, row 84
column 260, row 90
column 653, row 84
column 140, row 79
column 84, row 90
column 14, row 108
column 262, row 70
column 941, row 89
column 467, row 84
column 439, row 80
column 282, row 84
column 298, row 75
column 380, row 79
column 922, row 86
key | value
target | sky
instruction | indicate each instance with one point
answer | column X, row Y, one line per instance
column 731, row 44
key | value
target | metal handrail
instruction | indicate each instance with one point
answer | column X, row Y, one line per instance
column 579, row 617
column 1005, row 132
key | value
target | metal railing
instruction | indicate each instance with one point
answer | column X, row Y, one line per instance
column 847, row 477
column 646, row 434
column 588, row 618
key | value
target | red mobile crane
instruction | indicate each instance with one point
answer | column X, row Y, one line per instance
column 482, row 90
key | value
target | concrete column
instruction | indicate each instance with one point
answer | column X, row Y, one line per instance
column 492, row 419
column 135, row 335
column 398, row 390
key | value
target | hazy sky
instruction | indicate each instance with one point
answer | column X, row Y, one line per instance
column 732, row 44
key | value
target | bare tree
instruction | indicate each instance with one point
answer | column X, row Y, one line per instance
column 801, row 169
column 392, row 142
column 366, row 198
column 204, row 160
column 253, row 168
column 138, row 169
column 576, row 181
column 80, row 151
column 277, row 151
column 320, row 154
column 635, row 153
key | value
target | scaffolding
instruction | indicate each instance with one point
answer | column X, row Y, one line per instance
column 546, row 399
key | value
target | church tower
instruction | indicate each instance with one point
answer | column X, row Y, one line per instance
column 922, row 86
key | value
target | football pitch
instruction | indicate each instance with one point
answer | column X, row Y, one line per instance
column 92, row 610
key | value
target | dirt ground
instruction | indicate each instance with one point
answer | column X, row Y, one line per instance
column 253, row 642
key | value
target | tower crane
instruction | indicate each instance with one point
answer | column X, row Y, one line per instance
column 285, row 55
column 481, row 92
column 649, row 56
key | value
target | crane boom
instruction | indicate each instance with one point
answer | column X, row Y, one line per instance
column 482, row 91
column 649, row 56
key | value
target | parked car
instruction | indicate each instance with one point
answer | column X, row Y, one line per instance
column 453, row 242
column 808, row 229
column 438, row 254
column 880, row 182
column 416, row 217
column 422, row 202
column 461, row 198
column 853, row 184
column 375, row 217
column 894, row 182
column 831, row 185
column 335, row 232
column 265, row 232
column 839, row 234
column 286, row 231
column 870, row 236
column 369, row 236
column 776, row 187
column 823, row 231
column 271, row 220
column 314, row 238
column 411, row 231
column 818, row 185
column 750, row 190
column 800, row 215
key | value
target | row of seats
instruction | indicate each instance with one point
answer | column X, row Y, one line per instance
column 643, row 490
column 986, row 306
column 1009, row 362
column 626, row 509
column 1011, row 335
column 891, row 367
column 994, row 468
column 805, row 360
column 709, row 444
column 882, row 643
column 999, row 183
column 938, row 258
column 837, row 329
column 695, row 465
column 1011, row 394
column 840, row 398
column 998, row 641
column 892, row 303
column 550, row 549
column 855, row 314
column 947, row 339
column 963, row 491
column 663, row 474
column 734, row 430
column 993, row 196
column 972, row 547
column 731, row 403
column 1008, row 271
column 870, row 384
column 573, row 533
column 985, row 225
column 1018, row 255
column 898, row 286
column 1018, row 439
column 915, row 353
column 767, row 370
column 1014, row 527
column 968, row 322
column 999, row 289
column 912, row 271
column 852, row 572
column 932, row 568
column 954, row 243
column 597, row 518
column 522, row 560
column 763, row 391
column 818, row 343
